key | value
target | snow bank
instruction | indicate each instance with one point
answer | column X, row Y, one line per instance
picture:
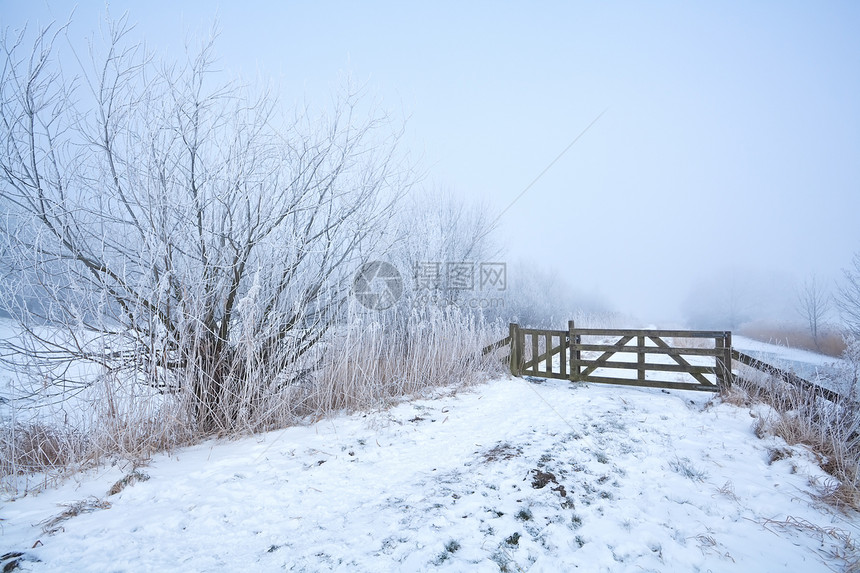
column 510, row 476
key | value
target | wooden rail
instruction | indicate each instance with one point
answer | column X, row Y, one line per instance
column 562, row 354
column 533, row 352
column 651, row 343
column 789, row 377
column 496, row 345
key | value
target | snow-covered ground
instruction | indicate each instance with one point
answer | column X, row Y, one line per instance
column 818, row 368
column 802, row 362
column 752, row 346
column 510, row 475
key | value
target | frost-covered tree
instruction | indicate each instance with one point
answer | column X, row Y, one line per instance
column 848, row 298
column 813, row 304
column 443, row 241
column 178, row 227
column 541, row 297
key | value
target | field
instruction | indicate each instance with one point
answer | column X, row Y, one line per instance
column 510, row 475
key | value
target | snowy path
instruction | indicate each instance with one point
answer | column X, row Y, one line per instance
column 631, row 480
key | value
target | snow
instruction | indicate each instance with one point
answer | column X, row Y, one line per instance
column 755, row 347
column 821, row 369
column 76, row 391
column 633, row 479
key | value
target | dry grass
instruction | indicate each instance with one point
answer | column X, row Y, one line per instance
column 129, row 480
column 737, row 395
column 370, row 366
column 364, row 365
column 89, row 505
column 835, row 543
column 831, row 431
column 830, row 342
column 728, row 490
column 38, row 446
column 38, row 453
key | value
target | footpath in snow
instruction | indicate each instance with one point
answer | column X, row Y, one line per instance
column 506, row 476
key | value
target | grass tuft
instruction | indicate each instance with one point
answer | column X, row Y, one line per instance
column 128, row 480
column 366, row 364
column 685, row 467
column 89, row 505
column 798, row 416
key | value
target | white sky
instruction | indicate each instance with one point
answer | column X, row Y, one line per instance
column 731, row 140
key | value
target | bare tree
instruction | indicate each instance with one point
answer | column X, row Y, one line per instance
column 443, row 242
column 166, row 226
column 848, row 298
column 813, row 304
column 542, row 297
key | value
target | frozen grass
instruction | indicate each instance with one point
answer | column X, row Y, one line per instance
column 799, row 416
column 39, row 447
column 54, row 525
column 830, row 342
column 365, row 365
column 369, row 366
column 43, row 445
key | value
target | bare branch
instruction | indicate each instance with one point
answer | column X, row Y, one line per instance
column 848, row 298
column 813, row 304
column 170, row 227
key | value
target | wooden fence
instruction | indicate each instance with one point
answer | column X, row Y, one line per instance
column 789, row 377
column 706, row 365
column 566, row 355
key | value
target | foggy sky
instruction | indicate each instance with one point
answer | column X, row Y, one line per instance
column 729, row 152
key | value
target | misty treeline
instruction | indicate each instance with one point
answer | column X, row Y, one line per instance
column 176, row 231
column 753, row 299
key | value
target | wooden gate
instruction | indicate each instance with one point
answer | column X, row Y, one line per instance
column 699, row 360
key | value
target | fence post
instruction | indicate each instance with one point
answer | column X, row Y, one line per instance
column 514, row 333
column 727, row 360
column 564, row 345
column 548, row 342
column 718, row 360
column 574, row 354
column 640, row 357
